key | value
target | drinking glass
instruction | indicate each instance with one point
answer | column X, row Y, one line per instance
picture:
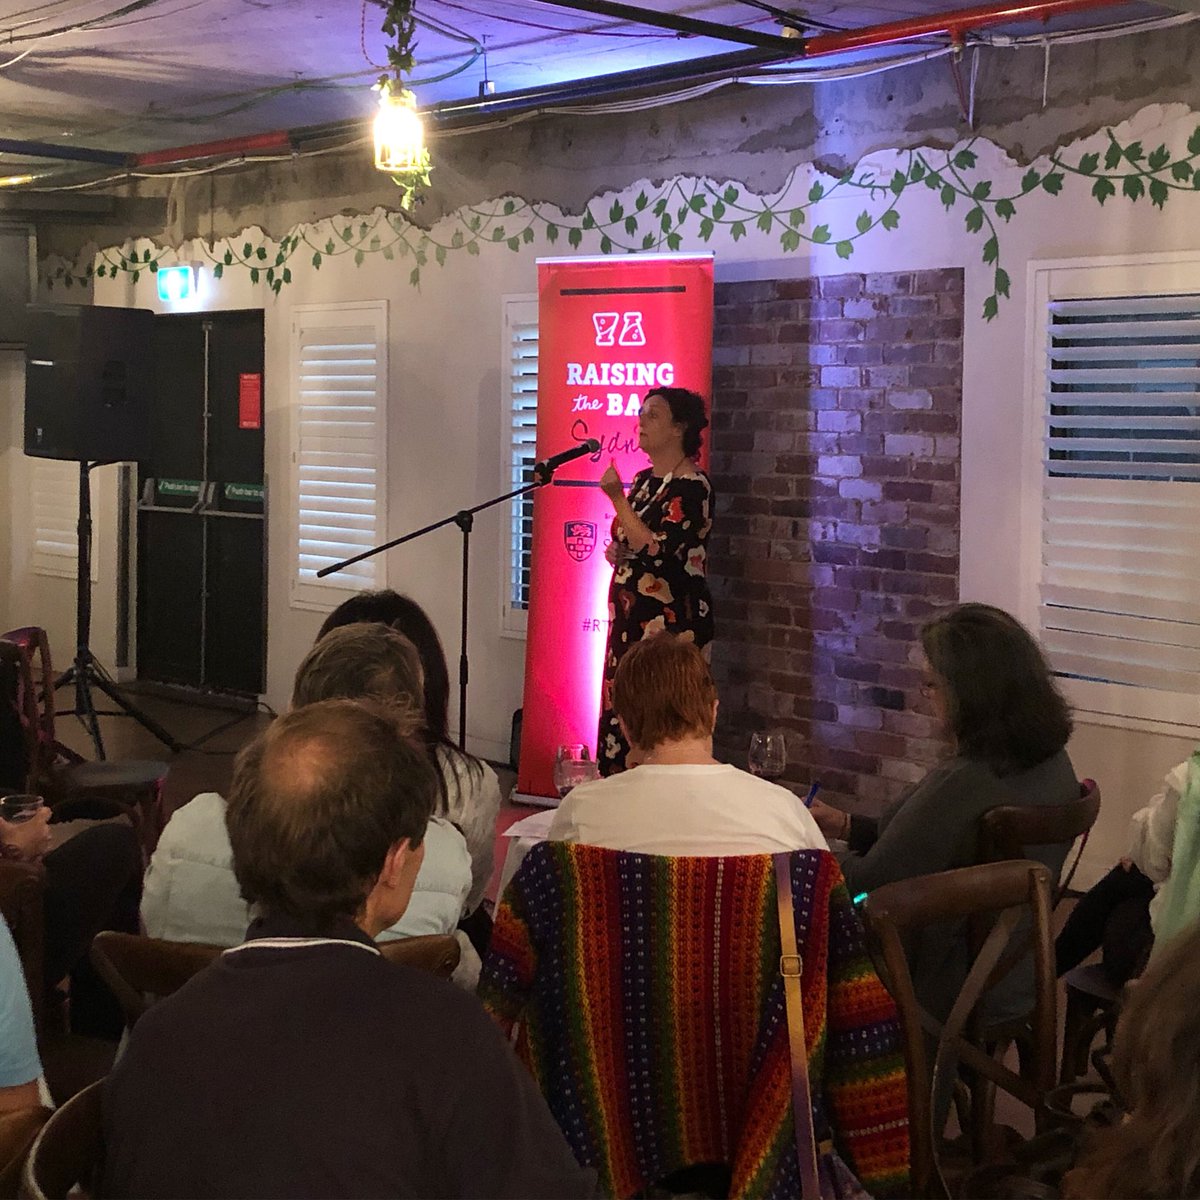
column 573, row 750
column 572, row 765
column 768, row 753
column 18, row 807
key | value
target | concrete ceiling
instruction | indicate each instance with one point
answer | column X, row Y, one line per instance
column 138, row 75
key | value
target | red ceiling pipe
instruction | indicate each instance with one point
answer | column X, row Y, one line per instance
column 954, row 23
column 255, row 144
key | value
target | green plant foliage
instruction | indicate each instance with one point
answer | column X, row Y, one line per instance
column 701, row 210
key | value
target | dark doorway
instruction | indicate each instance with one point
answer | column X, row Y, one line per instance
column 202, row 509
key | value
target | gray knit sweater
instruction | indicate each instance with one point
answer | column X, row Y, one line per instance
column 935, row 827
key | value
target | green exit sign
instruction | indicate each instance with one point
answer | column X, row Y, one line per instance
column 244, row 491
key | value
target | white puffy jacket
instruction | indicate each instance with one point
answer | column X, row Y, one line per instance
column 1152, row 834
column 191, row 895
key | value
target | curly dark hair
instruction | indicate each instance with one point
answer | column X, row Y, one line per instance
column 1156, row 1062
column 687, row 409
column 1002, row 705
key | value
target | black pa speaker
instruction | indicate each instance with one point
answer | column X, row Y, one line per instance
column 89, row 371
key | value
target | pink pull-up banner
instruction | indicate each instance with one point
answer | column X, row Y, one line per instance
column 609, row 330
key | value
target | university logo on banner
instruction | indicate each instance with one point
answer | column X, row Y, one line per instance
column 609, row 331
column 579, row 537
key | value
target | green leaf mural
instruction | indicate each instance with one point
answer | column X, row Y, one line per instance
column 662, row 216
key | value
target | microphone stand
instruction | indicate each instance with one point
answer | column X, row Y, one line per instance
column 465, row 520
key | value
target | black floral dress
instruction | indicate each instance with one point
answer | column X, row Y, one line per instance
column 662, row 588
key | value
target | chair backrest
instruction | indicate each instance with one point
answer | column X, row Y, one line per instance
column 18, row 721
column 18, row 1128
column 1011, row 830
column 68, row 1153
column 996, row 893
column 140, row 970
column 680, row 1055
column 34, row 699
column 436, row 953
column 22, row 905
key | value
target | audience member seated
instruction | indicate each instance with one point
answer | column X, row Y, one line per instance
column 191, row 894
column 468, row 790
column 92, row 882
column 300, row 1063
column 679, row 800
column 1154, row 1152
column 1008, row 726
column 1120, row 915
column 20, row 1067
column 645, row 994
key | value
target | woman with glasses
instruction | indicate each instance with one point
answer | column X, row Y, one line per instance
column 1007, row 727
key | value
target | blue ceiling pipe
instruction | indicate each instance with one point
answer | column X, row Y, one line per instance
column 109, row 158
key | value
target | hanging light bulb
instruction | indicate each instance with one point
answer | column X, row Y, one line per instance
column 399, row 134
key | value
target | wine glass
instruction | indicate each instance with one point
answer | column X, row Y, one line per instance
column 572, row 765
column 768, row 753
column 17, row 807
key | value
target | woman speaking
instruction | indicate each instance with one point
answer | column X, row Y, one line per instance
column 658, row 544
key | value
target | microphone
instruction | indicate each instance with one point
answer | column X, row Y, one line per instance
column 544, row 469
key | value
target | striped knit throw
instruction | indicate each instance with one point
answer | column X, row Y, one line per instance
column 646, row 996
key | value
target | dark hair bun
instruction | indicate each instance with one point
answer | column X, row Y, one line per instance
column 687, row 409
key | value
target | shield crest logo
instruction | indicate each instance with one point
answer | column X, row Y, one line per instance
column 579, row 537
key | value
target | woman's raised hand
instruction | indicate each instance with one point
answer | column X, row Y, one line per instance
column 610, row 483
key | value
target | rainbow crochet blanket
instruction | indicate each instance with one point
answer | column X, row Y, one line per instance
column 644, row 995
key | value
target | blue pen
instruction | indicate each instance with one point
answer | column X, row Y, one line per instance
column 812, row 793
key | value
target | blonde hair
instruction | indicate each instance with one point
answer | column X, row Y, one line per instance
column 1156, row 1060
column 360, row 661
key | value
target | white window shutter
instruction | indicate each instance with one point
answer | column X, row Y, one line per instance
column 1120, row 581
column 520, row 401
column 54, row 487
column 339, row 367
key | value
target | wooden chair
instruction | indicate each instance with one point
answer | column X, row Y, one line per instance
column 140, row 970
column 436, row 953
column 992, row 895
column 56, row 771
column 1012, row 830
column 679, row 959
column 14, row 746
column 1092, row 1004
column 18, row 1129
column 68, row 1153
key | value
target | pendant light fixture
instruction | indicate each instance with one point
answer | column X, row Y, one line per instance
column 400, row 149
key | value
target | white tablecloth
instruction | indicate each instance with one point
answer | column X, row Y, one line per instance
column 522, row 836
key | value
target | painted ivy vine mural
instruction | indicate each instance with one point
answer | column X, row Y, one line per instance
column 696, row 209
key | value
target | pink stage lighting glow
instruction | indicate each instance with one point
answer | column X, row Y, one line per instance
column 609, row 331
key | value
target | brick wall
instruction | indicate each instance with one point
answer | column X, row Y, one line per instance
column 835, row 454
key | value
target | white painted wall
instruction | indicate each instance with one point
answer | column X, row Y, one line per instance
column 445, row 410
column 27, row 598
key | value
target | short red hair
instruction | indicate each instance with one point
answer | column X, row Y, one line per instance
column 663, row 691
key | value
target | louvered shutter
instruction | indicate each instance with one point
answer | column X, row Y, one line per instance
column 1120, row 584
column 340, row 373
column 54, row 485
column 521, row 380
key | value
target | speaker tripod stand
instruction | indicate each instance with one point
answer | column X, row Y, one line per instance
column 84, row 674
